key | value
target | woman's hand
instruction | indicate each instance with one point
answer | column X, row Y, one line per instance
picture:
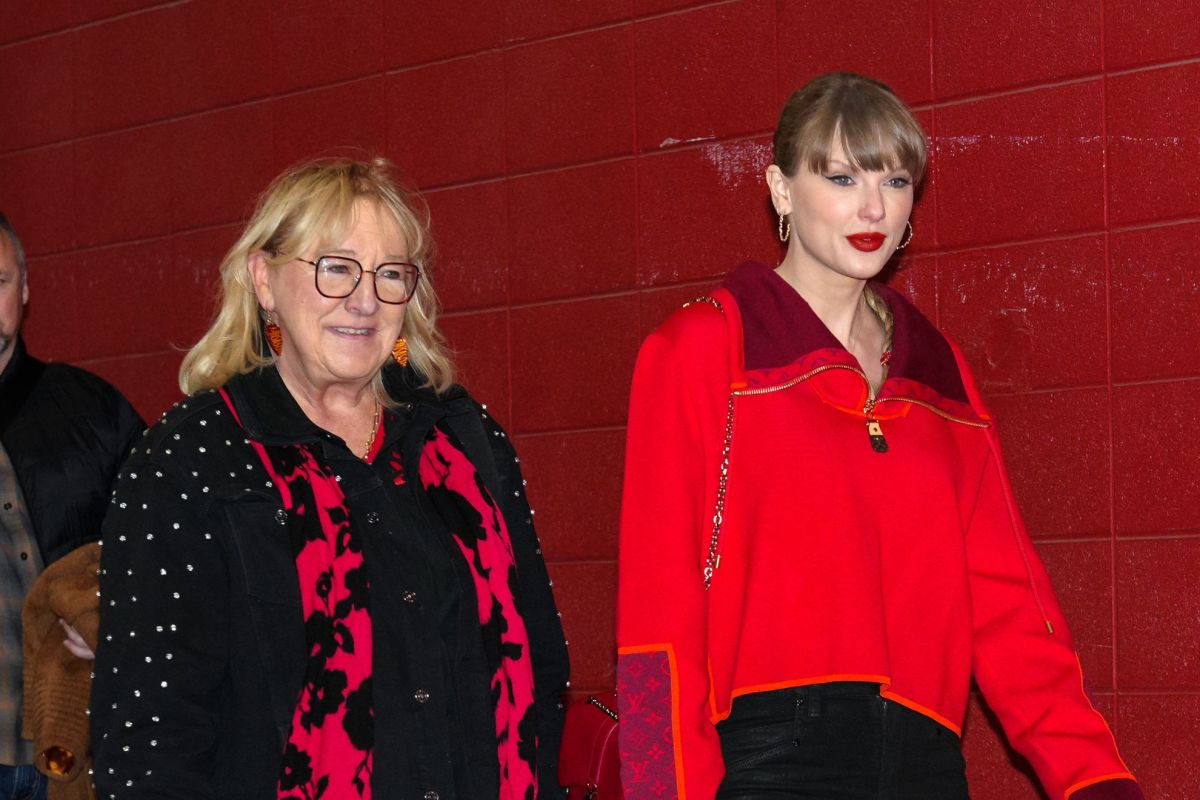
column 75, row 643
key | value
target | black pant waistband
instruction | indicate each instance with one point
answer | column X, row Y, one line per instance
column 811, row 696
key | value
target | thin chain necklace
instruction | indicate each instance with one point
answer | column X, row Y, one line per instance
column 374, row 431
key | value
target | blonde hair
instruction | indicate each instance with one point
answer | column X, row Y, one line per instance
column 312, row 205
column 876, row 130
column 883, row 312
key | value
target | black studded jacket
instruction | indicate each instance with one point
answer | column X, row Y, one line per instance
column 202, row 642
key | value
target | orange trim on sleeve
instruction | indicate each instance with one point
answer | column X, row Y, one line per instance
column 657, row 647
column 714, row 716
column 676, row 730
column 1103, row 721
column 1116, row 776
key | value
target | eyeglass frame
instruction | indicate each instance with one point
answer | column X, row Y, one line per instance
column 362, row 271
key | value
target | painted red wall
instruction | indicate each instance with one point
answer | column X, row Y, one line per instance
column 592, row 164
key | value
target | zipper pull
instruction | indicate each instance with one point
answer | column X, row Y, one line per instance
column 878, row 442
column 874, row 431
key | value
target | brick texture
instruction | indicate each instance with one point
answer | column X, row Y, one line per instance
column 590, row 166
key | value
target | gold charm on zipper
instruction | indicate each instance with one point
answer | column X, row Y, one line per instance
column 874, row 430
column 875, row 433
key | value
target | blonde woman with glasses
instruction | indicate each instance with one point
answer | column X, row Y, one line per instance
column 320, row 576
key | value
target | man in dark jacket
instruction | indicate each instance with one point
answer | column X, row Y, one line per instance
column 63, row 435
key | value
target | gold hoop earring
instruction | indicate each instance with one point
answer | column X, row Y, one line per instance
column 909, row 238
column 784, row 235
column 274, row 336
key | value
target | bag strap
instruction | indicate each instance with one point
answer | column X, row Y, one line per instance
column 714, row 557
column 592, row 700
column 713, row 560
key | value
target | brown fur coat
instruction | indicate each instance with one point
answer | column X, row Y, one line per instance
column 58, row 683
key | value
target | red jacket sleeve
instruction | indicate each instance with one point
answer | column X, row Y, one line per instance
column 1024, row 660
column 669, row 746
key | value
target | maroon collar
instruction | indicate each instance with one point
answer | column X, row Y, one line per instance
column 779, row 328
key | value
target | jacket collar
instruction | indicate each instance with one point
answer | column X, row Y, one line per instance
column 20, row 375
column 780, row 329
column 16, row 364
column 267, row 410
column 270, row 414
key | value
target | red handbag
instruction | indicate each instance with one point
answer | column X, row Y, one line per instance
column 589, row 763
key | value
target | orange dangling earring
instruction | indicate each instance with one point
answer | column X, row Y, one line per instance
column 274, row 336
column 400, row 352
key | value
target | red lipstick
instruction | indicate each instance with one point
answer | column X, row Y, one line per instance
column 867, row 242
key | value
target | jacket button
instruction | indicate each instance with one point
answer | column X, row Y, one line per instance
column 24, row 556
column 8, row 506
column 281, row 517
column 431, row 795
column 373, row 517
column 421, row 696
column 409, row 596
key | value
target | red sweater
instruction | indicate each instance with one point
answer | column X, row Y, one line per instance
column 910, row 568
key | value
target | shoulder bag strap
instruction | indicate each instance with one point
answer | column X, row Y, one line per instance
column 713, row 559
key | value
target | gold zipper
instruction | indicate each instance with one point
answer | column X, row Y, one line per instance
column 789, row 384
column 931, row 407
column 874, row 430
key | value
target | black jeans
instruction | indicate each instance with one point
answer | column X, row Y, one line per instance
column 836, row 741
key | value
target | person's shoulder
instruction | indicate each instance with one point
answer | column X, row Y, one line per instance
column 192, row 426
column 476, row 420
column 458, row 403
column 698, row 323
column 192, row 414
column 77, row 382
column 185, row 464
column 63, row 392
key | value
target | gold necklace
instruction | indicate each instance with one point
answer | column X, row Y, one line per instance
column 374, row 430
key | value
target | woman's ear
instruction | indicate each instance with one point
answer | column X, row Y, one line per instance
column 260, row 279
column 780, row 188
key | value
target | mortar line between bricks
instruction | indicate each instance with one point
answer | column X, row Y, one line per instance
column 95, row 23
column 1108, row 371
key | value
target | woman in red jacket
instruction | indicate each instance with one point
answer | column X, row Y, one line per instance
column 819, row 543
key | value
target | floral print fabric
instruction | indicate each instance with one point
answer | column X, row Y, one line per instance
column 470, row 512
column 329, row 750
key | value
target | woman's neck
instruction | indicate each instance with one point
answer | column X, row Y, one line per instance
column 349, row 411
column 836, row 300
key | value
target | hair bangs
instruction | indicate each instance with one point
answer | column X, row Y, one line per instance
column 320, row 213
column 874, row 128
column 870, row 146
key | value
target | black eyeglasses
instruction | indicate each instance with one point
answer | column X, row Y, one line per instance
column 338, row 276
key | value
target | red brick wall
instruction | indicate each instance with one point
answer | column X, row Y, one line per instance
column 591, row 164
